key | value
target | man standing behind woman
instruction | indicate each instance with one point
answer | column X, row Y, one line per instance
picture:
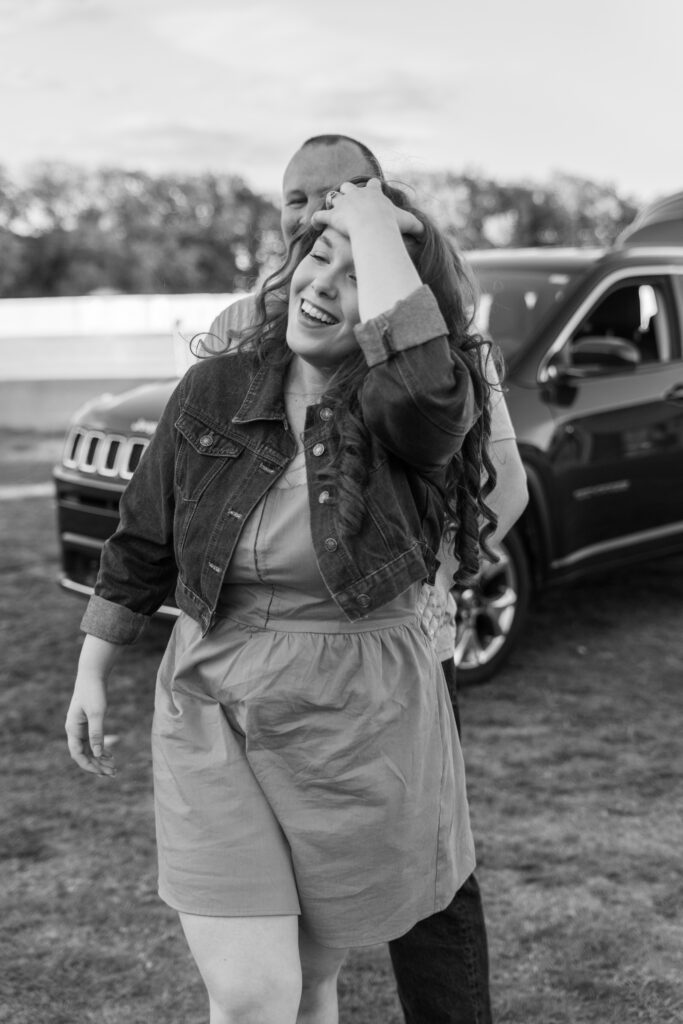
column 441, row 964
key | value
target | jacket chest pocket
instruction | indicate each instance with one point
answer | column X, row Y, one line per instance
column 201, row 454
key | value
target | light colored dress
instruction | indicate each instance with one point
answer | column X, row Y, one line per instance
column 304, row 764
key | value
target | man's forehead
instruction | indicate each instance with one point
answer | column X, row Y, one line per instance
column 320, row 168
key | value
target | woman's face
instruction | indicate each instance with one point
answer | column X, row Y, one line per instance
column 323, row 303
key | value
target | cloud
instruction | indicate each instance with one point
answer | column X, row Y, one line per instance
column 17, row 16
column 238, row 36
column 393, row 94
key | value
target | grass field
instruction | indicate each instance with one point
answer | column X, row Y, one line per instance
column 575, row 768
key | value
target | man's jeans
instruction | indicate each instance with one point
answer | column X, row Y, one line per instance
column 441, row 964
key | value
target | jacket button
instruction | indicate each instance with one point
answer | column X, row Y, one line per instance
column 318, row 449
column 326, row 413
column 363, row 601
column 330, row 544
column 323, row 497
column 206, row 440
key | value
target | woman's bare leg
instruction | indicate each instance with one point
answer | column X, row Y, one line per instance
column 250, row 966
column 320, row 968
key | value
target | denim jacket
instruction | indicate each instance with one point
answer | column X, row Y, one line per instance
column 222, row 442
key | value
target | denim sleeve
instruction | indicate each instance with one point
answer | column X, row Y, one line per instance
column 113, row 622
column 417, row 398
column 137, row 565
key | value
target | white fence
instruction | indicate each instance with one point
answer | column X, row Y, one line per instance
column 94, row 336
column 57, row 352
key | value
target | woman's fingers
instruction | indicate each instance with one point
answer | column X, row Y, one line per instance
column 408, row 223
column 81, row 751
column 85, row 729
column 351, row 202
column 368, row 187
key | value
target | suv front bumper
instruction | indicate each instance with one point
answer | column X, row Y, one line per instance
column 87, row 514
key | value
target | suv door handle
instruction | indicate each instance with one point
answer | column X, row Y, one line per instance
column 675, row 395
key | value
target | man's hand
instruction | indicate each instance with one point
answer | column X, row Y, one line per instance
column 431, row 607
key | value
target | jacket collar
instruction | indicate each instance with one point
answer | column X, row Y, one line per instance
column 264, row 399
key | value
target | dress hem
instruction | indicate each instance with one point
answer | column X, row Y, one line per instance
column 338, row 943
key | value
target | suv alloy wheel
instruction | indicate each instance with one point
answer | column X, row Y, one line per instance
column 491, row 613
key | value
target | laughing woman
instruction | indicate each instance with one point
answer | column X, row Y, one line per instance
column 306, row 765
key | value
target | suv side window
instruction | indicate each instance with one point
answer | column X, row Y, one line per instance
column 677, row 281
column 627, row 329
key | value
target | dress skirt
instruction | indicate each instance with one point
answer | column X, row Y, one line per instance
column 304, row 764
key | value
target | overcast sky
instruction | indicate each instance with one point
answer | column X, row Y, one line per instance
column 514, row 89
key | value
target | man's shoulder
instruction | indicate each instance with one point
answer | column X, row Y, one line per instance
column 239, row 315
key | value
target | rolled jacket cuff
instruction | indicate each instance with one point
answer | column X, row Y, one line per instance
column 410, row 322
column 112, row 622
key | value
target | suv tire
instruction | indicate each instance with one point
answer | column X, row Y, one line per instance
column 491, row 614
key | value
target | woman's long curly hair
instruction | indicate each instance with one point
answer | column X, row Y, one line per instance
column 470, row 476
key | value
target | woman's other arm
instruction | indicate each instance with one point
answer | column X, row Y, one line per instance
column 137, row 565
column 85, row 717
column 136, row 568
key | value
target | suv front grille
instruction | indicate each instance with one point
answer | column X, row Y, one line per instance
column 92, row 451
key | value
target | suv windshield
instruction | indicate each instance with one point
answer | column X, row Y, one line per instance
column 513, row 301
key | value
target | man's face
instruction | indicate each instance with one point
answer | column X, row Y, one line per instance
column 310, row 174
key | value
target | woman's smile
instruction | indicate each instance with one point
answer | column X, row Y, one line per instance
column 315, row 315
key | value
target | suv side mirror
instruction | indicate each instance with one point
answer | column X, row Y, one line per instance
column 595, row 355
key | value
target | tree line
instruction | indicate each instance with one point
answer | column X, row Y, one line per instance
column 69, row 231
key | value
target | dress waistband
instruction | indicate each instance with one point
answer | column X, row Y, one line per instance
column 257, row 623
column 286, row 610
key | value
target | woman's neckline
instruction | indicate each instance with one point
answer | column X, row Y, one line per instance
column 304, row 381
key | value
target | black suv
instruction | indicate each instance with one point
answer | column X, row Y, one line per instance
column 593, row 344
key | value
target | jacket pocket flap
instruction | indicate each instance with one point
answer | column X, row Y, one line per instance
column 205, row 439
